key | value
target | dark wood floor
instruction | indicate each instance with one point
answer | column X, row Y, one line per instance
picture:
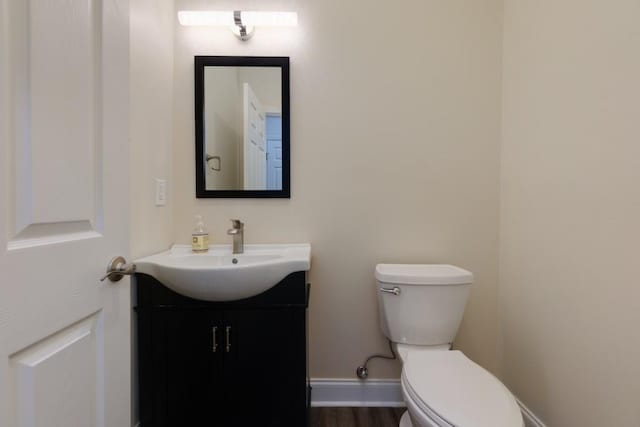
column 356, row 417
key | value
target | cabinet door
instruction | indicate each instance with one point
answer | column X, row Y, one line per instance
column 265, row 368
column 190, row 354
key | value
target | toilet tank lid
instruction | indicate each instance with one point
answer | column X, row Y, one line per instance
column 423, row 274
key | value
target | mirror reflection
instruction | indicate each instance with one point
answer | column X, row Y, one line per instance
column 243, row 128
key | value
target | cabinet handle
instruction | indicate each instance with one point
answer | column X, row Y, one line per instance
column 214, row 331
column 228, row 330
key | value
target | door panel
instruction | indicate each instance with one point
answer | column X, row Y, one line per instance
column 35, row 371
column 64, row 336
column 255, row 155
column 56, row 75
column 56, row 109
column 274, row 152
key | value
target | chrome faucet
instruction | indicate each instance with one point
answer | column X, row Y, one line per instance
column 238, row 235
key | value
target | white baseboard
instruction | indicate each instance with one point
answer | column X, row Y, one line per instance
column 353, row 393
column 530, row 419
column 376, row 393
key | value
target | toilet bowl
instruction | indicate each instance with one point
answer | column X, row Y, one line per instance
column 445, row 388
column 421, row 307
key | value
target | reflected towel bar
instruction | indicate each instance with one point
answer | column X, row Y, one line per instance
column 210, row 157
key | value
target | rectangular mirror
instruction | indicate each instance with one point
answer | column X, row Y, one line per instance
column 242, row 126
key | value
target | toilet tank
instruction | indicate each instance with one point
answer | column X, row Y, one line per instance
column 428, row 303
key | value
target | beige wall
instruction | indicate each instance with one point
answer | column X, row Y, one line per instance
column 570, row 210
column 395, row 126
column 151, row 103
column 222, row 127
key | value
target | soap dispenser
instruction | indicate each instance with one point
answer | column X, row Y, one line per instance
column 199, row 237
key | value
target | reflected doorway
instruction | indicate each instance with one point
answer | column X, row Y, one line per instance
column 274, row 151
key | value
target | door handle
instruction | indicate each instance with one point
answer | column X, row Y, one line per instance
column 117, row 268
column 228, row 336
column 214, row 332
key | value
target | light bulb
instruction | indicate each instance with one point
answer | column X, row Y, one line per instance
column 249, row 18
column 206, row 18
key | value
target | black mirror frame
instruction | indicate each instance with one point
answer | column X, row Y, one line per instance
column 241, row 61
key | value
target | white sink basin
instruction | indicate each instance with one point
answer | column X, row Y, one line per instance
column 218, row 275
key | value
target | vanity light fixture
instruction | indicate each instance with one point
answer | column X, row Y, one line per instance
column 242, row 23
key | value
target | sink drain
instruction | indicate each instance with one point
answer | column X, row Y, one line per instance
column 235, row 260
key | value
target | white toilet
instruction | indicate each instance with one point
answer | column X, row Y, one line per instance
column 421, row 307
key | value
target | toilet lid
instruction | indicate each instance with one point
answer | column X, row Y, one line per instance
column 459, row 391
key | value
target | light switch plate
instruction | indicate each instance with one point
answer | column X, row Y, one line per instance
column 161, row 192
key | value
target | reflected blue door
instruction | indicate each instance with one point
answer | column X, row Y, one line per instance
column 274, row 152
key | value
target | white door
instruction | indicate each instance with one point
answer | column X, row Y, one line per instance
column 64, row 207
column 255, row 147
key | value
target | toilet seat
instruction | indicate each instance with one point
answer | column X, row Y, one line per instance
column 451, row 390
column 418, row 414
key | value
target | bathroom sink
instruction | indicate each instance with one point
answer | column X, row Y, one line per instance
column 219, row 275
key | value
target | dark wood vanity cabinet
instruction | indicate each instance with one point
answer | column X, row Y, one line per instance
column 231, row 364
